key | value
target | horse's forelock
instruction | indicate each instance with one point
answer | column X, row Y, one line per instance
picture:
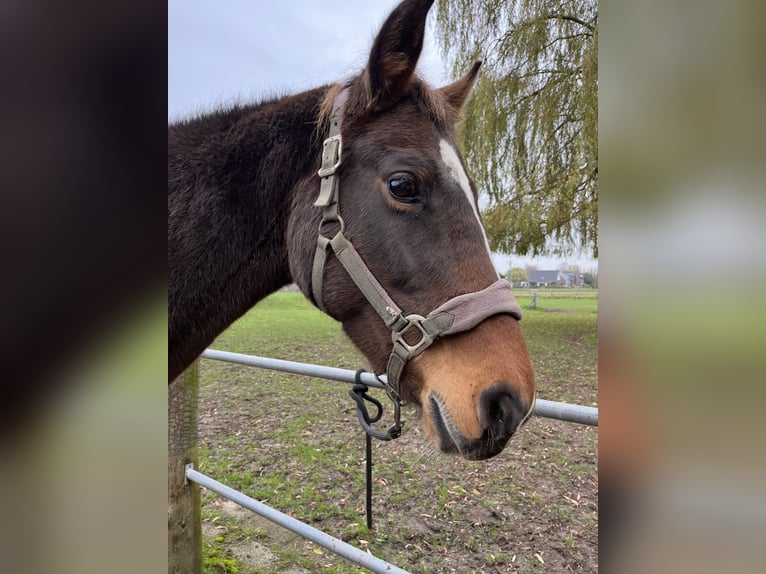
column 432, row 102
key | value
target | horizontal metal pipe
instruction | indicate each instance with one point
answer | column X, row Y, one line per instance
column 355, row 555
column 566, row 412
column 543, row 408
column 322, row 372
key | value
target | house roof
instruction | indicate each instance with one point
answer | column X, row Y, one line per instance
column 538, row 276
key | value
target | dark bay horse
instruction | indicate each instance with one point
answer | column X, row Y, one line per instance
column 357, row 193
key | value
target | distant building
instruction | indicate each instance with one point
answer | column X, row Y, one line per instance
column 554, row 279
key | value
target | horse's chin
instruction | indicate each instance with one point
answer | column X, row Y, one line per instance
column 444, row 432
column 441, row 428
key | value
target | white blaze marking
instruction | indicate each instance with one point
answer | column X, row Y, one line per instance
column 452, row 161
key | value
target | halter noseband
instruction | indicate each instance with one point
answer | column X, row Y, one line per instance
column 458, row 314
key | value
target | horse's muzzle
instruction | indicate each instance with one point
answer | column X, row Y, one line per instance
column 501, row 412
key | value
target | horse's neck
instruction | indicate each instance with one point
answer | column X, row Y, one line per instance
column 230, row 178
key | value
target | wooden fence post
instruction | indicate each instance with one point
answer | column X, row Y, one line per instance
column 184, row 518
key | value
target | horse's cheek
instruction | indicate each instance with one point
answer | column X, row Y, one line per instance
column 302, row 230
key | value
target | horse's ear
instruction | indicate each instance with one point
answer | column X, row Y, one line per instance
column 457, row 92
column 395, row 54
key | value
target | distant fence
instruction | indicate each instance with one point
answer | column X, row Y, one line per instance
column 563, row 292
column 184, row 514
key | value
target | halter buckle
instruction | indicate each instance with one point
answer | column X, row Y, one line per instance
column 331, row 155
column 403, row 326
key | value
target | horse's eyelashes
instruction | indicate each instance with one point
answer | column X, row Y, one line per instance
column 404, row 187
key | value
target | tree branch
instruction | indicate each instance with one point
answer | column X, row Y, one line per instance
column 571, row 18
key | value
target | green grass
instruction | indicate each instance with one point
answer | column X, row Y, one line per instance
column 561, row 304
column 215, row 560
column 294, row 443
column 286, row 325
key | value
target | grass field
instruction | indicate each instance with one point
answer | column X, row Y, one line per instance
column 294, row 443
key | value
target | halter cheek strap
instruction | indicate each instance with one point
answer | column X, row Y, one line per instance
column 459, row 314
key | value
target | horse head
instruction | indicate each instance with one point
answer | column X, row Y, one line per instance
column 409, row 209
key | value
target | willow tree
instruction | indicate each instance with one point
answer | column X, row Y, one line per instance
column 531, row 132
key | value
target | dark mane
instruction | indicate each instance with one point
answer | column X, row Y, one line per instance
column 228, row 205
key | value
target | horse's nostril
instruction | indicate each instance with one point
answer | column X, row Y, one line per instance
column 500, row 411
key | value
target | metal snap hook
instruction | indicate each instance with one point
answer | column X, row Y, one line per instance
column 360, row 395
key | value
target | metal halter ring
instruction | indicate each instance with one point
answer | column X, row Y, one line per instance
column 409, row 322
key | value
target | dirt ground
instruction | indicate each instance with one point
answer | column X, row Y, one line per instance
column 294, row 443
column 531, row 509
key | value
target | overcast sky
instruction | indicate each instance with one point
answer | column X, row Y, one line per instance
column 230, row 50
column 242, row 50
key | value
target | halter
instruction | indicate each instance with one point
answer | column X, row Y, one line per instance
column 461, row 313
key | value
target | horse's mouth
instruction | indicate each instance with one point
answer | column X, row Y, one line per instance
column 443, row 425
column 451, row 440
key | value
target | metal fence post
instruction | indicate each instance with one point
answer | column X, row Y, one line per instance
column 184, row 511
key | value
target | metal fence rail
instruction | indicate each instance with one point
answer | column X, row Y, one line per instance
column 355, row 555
column 543, row 408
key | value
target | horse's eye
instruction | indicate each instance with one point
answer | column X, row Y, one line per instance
column 404, row 187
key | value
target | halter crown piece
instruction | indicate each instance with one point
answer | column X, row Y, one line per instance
column 458, row 314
